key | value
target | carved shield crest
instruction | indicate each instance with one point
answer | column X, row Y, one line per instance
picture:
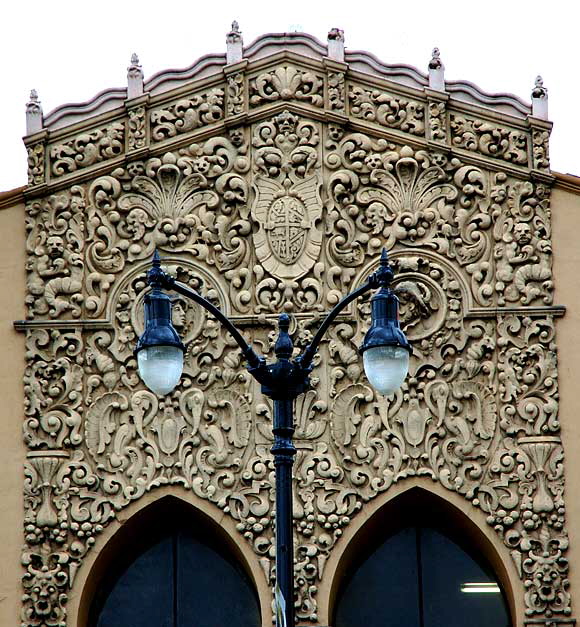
column 287, row 241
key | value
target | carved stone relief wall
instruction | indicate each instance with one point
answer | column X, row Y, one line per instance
column 288, row 211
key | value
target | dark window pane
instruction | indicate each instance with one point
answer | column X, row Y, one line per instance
column 181, row 576
column 212, row 592
column 384, row 589
column 414, row 579
column 445, row 568
column 143, row 594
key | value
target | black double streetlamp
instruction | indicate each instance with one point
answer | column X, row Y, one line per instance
column 385, row 351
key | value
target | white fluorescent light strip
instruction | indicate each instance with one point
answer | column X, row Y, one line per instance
column 480, row 588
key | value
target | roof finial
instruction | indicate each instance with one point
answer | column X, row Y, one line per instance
column 435, row 62
column 436, row 71
column 33, row 114
column 540, row 99
column 134, row 78
column 539, row 90
column 234, row 44
column 336, row 44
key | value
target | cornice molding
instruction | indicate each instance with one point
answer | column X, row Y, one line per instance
column 569, row 182
column 12, row 197
column 256, row 115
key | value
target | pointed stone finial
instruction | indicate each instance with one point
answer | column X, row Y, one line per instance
column 134, row 78
column 33, row 114
column 436, row 71
column 540, row 99
column 336, row 44
column 234, row 44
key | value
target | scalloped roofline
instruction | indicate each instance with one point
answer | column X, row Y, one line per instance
column 267, row 45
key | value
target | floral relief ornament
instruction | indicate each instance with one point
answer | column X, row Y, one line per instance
column 192, row 201
column 87, row 149
column 287, row 83
column 187, row 114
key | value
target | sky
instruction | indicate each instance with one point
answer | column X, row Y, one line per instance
column 69, row 51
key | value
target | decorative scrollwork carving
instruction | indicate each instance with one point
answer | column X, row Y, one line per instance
column 387, row 110
column 336, row 91
column 437, row 121
column 541, row 150
column 87, row 149
column 55, row 244
column 187, row 114
column 235, row 94
column 287, row 83
column 523, row 249
column 136, row 128
column 490, row 140
column 36, row 174
column 193, row 201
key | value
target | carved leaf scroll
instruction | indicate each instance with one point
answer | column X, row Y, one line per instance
column 287, row 83
column 187, row 114
column 87, row 149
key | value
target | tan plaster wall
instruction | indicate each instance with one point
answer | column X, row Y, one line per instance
column 12, row 449
column 566, row 244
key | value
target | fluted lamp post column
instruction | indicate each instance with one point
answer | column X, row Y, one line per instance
column 385, row 351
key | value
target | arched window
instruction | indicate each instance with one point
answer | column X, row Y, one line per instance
column 174, row 570
column 417, row 568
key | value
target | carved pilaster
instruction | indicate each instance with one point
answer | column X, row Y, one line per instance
column 540, row 130
column 36, row 151
column 236, row 96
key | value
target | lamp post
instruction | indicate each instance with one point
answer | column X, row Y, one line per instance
column 385, row 351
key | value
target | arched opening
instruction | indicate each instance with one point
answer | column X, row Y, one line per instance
column 419, row 563
column 170, row 566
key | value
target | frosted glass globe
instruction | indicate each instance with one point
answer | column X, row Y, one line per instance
column 160, row 367
column 386, row 367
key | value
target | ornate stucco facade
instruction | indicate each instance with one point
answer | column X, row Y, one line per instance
column 270, row 179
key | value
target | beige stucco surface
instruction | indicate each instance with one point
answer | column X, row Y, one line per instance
column 565, row 237
column 12, row 451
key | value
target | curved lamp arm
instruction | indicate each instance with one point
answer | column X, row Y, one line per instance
column 285, row 378
column 381, row 278
column 158, row 278
column 305, row 360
